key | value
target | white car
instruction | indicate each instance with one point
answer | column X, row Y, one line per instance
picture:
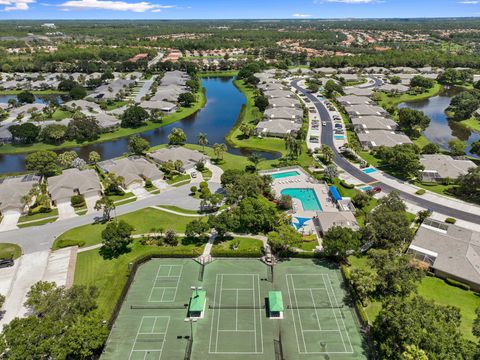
column 193, row 174
column 324, row 123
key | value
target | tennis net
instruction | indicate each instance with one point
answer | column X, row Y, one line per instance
column 294, row 307
column 236, row 306
column 154, row 306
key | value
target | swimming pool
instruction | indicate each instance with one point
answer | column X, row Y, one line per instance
column 366, row 188
column 339, row 137
column 307, row 197
column 285, row 174
column 369, row 170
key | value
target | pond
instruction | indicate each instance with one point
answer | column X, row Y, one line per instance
column 441, row 130
column 39, row 99
column 224, row 103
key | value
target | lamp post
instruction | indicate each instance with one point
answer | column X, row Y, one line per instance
column 191, row 321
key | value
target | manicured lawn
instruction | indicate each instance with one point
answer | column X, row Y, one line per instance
column 143, row 221
column 8, row 250
column 37, row 223
column 467, row 301
column 38, row 216
column 122, row 132
column 435, row 289
column 177, row 209
column 345, row 192
column 35, row 92
column 360, row 215
column 116, row 105
column 110, row 276
column 421, row 141
column 246, row 246
column 386, row 100
column 473, row 123
column 436, row 188
column 60, row 114
column 226, row 73
column 116, row 198
column 178, row 178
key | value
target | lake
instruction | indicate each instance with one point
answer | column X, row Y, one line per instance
column 224, row 103
column 39, row 99
column 441, row 130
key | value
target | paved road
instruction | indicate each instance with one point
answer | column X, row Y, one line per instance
column 39, row 238
column 327, row 138
column 147, row 84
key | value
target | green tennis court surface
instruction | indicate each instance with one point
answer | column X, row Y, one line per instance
column 317, row 322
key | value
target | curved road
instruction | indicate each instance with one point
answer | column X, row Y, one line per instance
column 327, row 138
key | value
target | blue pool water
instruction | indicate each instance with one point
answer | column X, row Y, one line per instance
column 366, row 188
column 301, row 221
column 339, row 137
column 285, row 174
column 307, row 197
column 369, row 170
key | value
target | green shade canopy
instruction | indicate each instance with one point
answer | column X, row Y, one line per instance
column 197, row 303
column 275, row 301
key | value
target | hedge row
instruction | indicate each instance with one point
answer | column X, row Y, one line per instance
column 236, row 253
column 457, row 284
column 63, row 243
column 346, row 185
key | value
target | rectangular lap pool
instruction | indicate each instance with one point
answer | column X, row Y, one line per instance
column 369, row 170
column 339, row 137
column 307, row 197
column 285, row 174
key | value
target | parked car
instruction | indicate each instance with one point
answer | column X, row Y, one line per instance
column 6, row 263
column 193, row 174
column 377, row 189
column 324, row 123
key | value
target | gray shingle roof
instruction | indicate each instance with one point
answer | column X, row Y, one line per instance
column 63, row 186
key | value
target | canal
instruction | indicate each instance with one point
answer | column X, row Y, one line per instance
column 441, row 130
column 224, row 103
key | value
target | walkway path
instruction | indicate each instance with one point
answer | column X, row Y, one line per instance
column 147, row 84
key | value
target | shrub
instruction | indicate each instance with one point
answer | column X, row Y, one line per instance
column 77, row 201
column 346, row 185
column 193, row 189
column 63, row 243
column 203, row 185
column 450, row 220
column 457, row 284
column 420, row 192
column 148, row 183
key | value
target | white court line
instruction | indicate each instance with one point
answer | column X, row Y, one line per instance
column 343, row 322
column 293, row 313
column 173, row 277
column 316, row 312
column 260, row 314
column 334, row 314
column 146, row 351
column 221, row 289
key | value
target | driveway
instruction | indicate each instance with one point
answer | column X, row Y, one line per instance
column 91, row 201
column 140, row 192
column 10, row 219
column 65, row 210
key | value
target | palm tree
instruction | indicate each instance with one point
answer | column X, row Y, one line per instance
column 327, row 153
column 219, row 149
column 202, row 140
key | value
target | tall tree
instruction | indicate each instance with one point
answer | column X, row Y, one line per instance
column 202, row 140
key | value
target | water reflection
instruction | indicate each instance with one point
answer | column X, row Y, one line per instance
column 224, row 103
column 441, row 130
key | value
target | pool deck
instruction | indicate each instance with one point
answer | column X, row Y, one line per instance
column 303, row 181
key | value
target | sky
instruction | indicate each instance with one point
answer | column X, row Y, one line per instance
column 235, row 9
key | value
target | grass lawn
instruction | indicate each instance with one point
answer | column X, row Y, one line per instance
column 116, row 105
column 143, row 221
column 122, row 132
column 110, row 276
column 60, row 114
column 387, row 100
column 360, row 215
column 8, row 250
column 37, row 223
column 207, row 174
column 34, row 92
column 473, row 123
column 421, row 141
column 179, row 210
column 436, row 188
column 117, row 198
column 435, row 289
column 38, row 216
column 345, row 192
column 244, row 246
column 226, row 73
column 178, row 178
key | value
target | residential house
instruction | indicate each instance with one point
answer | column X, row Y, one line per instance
column 188, row 157
column 134, row 170
column 73, row 182
column 438, row 167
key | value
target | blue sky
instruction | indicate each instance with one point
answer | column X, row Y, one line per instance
column 234, row 9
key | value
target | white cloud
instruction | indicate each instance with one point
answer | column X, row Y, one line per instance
column 352, row 1
column 114, row 5
column 469, row 2
column 11, row 5
column 301, row 15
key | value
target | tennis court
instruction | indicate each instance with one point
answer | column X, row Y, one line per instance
column 316, row 324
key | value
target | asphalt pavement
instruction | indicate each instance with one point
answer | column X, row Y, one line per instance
column 327, row 138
